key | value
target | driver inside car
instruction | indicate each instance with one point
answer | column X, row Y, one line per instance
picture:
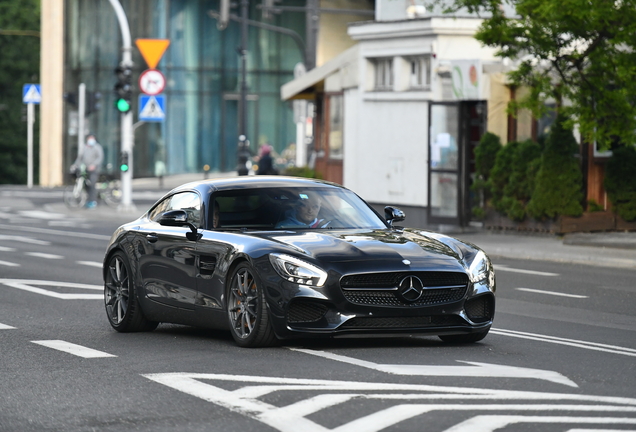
column 304, row 214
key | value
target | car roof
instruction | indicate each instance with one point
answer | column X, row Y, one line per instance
column 253, row 182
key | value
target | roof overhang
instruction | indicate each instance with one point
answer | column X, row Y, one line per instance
column 306, row 86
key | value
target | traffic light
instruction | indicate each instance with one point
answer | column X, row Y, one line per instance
column 93, row 102
column 123, row 88
column 123, row 162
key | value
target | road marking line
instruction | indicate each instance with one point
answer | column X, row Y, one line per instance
column 44, row 255
column 27, row 285
column 5, row 327
column 22, row 239
column 54, row 232
column 490, row 423
column 74, row 349
column 516, row 270
column 6, row 249
column 473, row 369
column 9, row 264
column 90, row 263
column 532, row 290
column 612, row 349
column 414, row 400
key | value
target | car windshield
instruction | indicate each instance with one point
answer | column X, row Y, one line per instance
column 291, row 208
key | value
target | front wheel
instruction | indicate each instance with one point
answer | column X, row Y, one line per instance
column 465, row 338
column 75, row 196
column 247, row 310
column 122, row 307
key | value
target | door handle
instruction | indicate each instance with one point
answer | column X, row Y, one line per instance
column 152, row 238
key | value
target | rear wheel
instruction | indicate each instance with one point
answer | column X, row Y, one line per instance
column 247, row 310
column 112, row 194
column 465, row 338
column 122, row 307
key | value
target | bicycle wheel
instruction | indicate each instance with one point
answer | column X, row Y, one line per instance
column 112, row 194
column 75, row 197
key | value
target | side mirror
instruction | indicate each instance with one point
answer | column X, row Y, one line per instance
column 393, row 214
column 174, row 218
column 179, row 218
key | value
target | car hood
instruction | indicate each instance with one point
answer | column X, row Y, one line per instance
column 379, row 248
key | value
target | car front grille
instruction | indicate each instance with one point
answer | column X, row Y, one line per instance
column 305, row 311
column 402, row 322
column 380, row 289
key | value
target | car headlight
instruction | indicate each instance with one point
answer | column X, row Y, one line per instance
column 298, row 271
column 481, row 268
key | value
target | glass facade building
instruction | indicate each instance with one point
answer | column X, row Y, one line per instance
column 202, row 70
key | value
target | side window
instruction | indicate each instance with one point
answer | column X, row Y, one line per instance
column 187, row 201
column 160, row 208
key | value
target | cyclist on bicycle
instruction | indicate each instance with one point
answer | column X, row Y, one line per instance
column 91, row 156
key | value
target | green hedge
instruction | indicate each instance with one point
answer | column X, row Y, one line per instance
column 620, row 182
column 525, row 179
column 558, row 188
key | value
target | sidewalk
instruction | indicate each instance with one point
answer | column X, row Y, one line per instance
column 614, row 250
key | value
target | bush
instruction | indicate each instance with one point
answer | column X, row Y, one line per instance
column 500, row 175
column 485, row 154
column 301, row 172
column 523, row 169
column 558, row 187
column 620, row 182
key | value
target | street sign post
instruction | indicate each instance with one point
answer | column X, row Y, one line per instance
column 31, row 95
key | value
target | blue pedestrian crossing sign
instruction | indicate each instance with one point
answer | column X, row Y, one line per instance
column 31, row 93
column 152, row 108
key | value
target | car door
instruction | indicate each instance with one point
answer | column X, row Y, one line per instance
column 168, row 265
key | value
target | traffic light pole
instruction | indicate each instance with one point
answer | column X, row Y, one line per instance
column 126, row 118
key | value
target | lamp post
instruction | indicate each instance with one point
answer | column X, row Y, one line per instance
column 243, row 150
column 126, row 118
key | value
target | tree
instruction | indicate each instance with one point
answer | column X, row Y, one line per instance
column 19, row 64
column 579, row 51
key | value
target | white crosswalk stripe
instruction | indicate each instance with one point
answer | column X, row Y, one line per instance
column 5, row 327
column 9, row 264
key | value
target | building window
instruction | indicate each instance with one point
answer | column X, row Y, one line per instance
column 383, row 73
column 420, row 72
column 336, row 121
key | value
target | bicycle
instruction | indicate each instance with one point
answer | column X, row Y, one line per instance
column 108, row 189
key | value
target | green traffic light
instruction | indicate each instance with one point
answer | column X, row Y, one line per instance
column 124, row 167
column 123, row 105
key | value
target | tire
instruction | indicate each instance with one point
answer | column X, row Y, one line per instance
column 465, row 338
column 112, row 194
column 247, row 310
column 120, row 298
column 74, row 199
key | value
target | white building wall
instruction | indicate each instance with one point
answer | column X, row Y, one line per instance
column 385, row 161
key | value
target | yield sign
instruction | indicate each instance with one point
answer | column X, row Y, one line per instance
column 152, row 50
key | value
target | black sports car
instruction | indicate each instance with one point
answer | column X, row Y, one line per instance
column 274, row 258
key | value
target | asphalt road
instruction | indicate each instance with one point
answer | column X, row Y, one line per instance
column 560, row 357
